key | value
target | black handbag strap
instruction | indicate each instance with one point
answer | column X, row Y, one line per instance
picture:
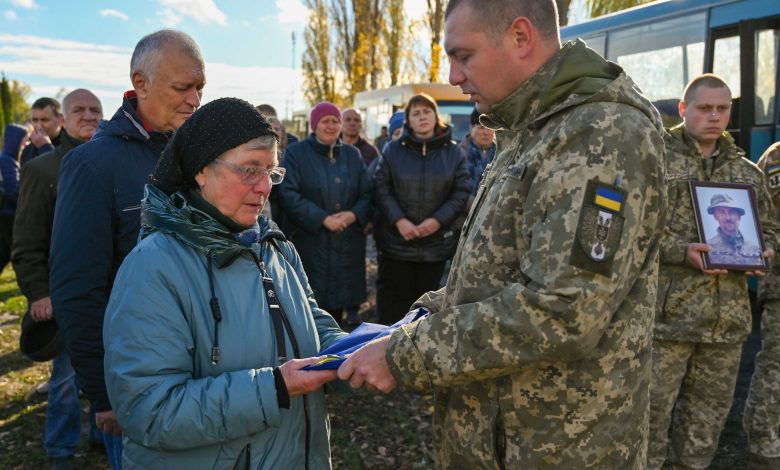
column 275, row 309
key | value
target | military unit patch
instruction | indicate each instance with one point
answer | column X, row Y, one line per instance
column 600, row 228
column 773, row 175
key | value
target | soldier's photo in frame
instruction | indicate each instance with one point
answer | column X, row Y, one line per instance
column 727, row 222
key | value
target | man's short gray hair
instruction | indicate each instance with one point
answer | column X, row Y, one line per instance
column 496, row 15
column 148, row 52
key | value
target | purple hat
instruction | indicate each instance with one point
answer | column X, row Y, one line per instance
column 324, row 108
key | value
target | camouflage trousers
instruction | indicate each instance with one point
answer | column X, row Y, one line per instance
column 691, row 390
column 762, row 409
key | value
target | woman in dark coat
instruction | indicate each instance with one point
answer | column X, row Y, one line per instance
column 421, row 185
column 325, row 198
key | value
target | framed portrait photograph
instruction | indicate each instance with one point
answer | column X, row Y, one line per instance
column 727, row 220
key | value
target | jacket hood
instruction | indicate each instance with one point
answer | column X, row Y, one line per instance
column 13, row 136
column 575, row 75
column 175, row 216
column 678, row 140
column 126, row 123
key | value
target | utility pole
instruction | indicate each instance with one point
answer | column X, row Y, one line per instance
column 292, row 84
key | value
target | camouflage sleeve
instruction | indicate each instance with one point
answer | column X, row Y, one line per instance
column 767, row 213
column 552, row 310
column 431, row 300
column 769, row 163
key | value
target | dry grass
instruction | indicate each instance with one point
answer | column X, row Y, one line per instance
column 368, row 431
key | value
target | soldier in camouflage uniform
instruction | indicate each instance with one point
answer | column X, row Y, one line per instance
column 702, row 315
column 762, row 409
column 728, row 245
column 538, row 348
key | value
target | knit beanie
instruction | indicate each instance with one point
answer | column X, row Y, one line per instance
column 212, row 130
column 474, row 118
column 13, row 136
column 324, row 108
column 396, row 122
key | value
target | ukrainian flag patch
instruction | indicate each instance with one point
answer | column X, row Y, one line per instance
column 609, row 199
column 773, row 169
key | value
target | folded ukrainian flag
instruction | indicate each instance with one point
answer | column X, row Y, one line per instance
column 337, row 352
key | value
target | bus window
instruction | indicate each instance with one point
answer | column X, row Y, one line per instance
column 661, row 57
column 726, row 63
column 458, row 116
column 598, row 43
column 767, row 42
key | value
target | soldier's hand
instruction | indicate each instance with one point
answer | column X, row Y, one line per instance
column 769, row 255
column 367, row 366
column 693, row 255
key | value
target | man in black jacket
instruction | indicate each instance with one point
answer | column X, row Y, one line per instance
column 97, row 219
column 82, row 112
column 46, row 118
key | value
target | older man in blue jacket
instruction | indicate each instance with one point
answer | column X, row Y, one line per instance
column 97, row 218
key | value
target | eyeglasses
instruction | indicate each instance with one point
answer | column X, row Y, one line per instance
column 252, row 175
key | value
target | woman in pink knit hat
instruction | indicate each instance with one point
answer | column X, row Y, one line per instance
column 325, row 200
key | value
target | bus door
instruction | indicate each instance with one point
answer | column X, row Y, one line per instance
column 746, row 55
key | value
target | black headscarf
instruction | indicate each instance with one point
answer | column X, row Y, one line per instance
column 212, row 130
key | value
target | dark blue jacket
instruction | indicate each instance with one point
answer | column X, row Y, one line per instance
column 478, row 161
column 318, row 184
column 417, row 180
column 96, row 224
column 9, row 167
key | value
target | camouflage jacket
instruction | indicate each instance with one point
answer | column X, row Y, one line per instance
column 539, row 352
column 769, row 286
column 693, row 306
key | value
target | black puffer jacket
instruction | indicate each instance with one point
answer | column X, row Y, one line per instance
column 417, row 180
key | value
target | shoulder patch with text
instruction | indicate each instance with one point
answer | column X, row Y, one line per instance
column 773, row 175
column 600, row 228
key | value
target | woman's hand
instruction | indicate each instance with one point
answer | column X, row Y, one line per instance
column 334, row 224
column 302, row 382
column 407, row 229
column 428, row 226
column 347, row 217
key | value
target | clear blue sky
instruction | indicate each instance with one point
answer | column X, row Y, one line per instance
column 247, row 45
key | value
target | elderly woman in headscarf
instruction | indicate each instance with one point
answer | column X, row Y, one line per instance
column 211, row 316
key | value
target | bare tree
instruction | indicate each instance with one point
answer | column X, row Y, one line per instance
column 357, row 24
column 395, row 38
column 435, row 21
column 318, row 76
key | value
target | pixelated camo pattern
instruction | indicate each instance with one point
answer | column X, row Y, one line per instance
column 693, row 306
column 536, row 363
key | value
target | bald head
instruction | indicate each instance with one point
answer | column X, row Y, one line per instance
column 82, row 112
column 352, row 123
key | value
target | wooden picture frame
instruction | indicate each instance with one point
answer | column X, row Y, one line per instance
column 727, row 220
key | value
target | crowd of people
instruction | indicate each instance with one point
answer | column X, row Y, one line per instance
column 193, row 261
